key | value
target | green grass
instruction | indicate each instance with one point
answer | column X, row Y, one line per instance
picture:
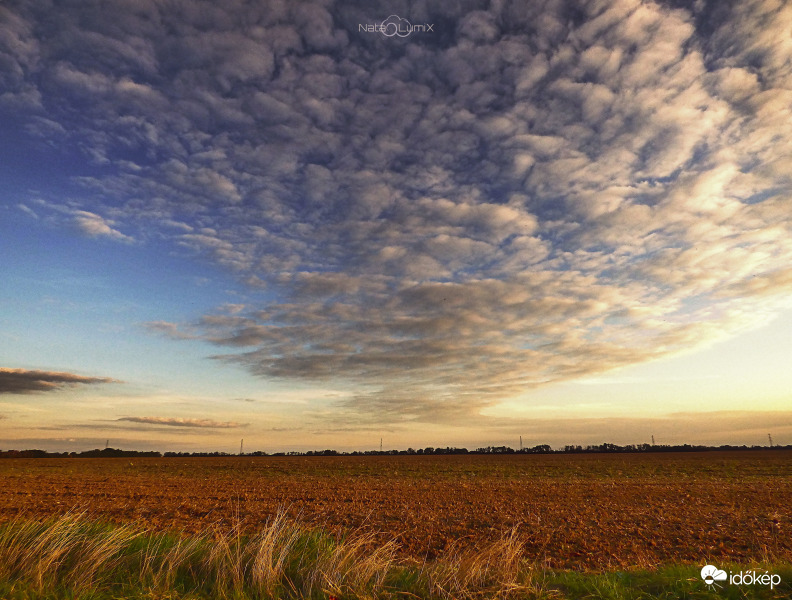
column 673, row 582
column 78, row 559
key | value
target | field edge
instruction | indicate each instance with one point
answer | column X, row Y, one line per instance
column 75, row 558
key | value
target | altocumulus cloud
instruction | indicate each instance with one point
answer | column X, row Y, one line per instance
column 22, row 381
column 184, row 422
column 532, row 193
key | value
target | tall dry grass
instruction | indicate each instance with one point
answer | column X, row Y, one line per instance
column 67, row 552
column 497, row 571
column 75, row 557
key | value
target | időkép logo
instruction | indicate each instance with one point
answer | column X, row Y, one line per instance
column 712, row 575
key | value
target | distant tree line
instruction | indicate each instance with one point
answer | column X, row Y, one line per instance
column 106, row 453
column 637, row 448
column 604, row 448
column 540, row 449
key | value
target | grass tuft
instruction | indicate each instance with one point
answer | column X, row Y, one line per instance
column 74, row 558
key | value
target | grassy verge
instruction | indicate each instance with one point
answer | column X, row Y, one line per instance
column 77, row 559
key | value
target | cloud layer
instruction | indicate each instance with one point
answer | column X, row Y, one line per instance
column 183, row 422
column 531, row 193
column 22, row 381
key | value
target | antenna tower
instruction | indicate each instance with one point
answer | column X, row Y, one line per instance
column 770, row 437
column 240, row 446
column 652, row 440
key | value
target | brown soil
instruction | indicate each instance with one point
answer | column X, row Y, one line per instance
column 573, row 511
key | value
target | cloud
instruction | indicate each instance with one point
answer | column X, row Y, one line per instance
column 532, row 194
column 170, row 330
column 95, row 226
column 19, row 52
column 22, row 381
column 183, row 422
column 25, row 209
column 87, row 223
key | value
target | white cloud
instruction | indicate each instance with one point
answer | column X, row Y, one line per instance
column 95, row 226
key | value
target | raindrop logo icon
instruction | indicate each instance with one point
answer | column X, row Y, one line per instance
column 711, row 574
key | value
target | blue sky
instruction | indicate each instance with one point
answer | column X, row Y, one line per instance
column 565, row 220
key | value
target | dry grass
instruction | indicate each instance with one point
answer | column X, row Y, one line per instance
column 283, row 560
column 496, row 571
column 67, row 552
column 74, row 558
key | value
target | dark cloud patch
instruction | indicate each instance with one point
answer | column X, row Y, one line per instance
column 22, row 381
column 534, row 192
column 183, row 422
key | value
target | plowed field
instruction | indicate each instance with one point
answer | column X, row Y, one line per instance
column 573, row 511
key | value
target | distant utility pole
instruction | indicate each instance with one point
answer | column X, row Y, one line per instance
column 380, row 444
column 240, row 446
column 770, row 437
column 107, row 444
column 520, row 443
column 652, row 440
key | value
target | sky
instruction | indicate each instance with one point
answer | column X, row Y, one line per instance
column 320, row 224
